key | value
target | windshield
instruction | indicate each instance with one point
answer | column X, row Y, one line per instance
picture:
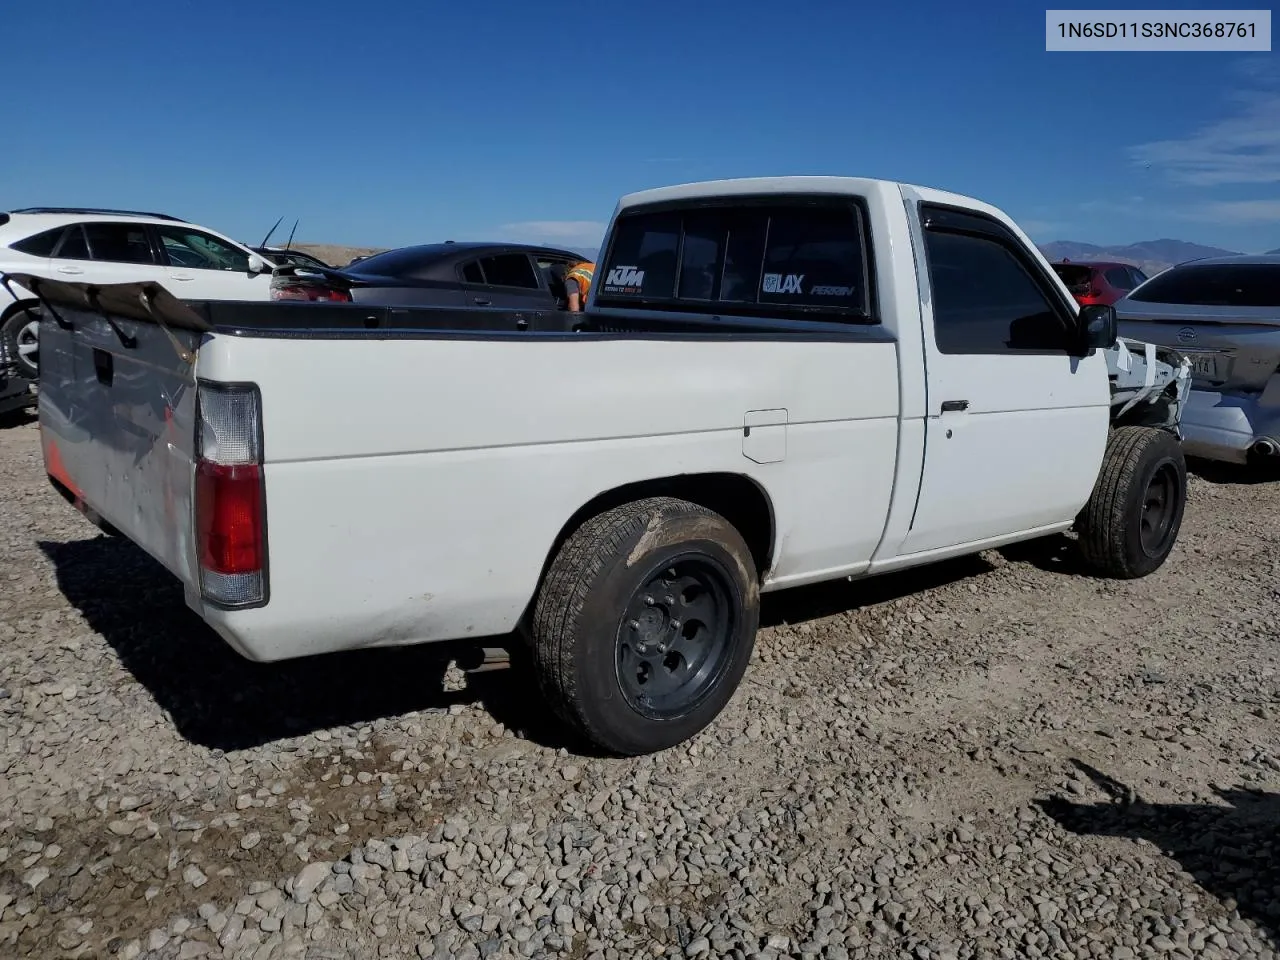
column 1215, row 285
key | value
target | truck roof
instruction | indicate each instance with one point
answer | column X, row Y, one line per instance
column 865, row 186
column 797, row 184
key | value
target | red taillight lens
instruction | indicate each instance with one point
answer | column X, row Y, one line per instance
column 310, row 293
column 229, row 518
column 230, row 495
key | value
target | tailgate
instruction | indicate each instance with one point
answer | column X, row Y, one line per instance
column 117, row 408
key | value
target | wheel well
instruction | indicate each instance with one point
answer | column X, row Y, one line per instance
column 16, row 306
column 738, row 499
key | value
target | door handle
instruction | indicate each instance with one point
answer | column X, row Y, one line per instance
column 70, row 270
column 951, row 406
column 181, row 276
column 481, row 301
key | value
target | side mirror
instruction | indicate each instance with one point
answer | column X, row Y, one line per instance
column 257, row 264
column 1099, row 328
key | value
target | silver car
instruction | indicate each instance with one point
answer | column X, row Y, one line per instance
column 1223, row 314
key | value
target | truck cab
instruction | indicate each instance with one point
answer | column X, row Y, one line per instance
column 966, row 344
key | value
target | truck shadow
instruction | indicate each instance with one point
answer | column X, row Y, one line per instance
column 1230, row 850
column 799, row 604
column 220, row 700
column 1056, row 553
column 12, row 419
column 1231, row 474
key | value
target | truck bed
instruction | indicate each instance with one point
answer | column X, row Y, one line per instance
column 395, row 515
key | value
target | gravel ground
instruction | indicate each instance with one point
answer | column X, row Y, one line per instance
column 993, row 758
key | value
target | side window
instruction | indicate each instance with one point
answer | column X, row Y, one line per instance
column 40, row 244
column 1137, row 276
column 509, row 270
column 642, row 263
column 199, row 251
column 1119, row 278
column 984, row 299
column 74, row 246
column 118, row 242
column 471, row 272
column 814, row 257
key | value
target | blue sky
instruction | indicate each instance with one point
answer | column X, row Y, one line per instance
column 402, row 121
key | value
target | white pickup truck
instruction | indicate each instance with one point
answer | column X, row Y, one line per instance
column 776, row 382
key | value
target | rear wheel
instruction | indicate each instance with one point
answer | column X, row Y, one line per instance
column 1131, row 522
column 645, row 624
column 20, row 332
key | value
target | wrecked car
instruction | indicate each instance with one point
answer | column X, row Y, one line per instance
column 1223, row 315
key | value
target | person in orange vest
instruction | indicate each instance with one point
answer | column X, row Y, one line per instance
column 577, row 283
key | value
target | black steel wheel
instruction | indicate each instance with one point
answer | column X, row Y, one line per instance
column 675, row 638
column 645, row 623
column 1161, row 508
column 1131, row 522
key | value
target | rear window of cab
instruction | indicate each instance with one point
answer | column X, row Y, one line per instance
column 759, row 258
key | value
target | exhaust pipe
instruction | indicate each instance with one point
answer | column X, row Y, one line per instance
column 484, row 659
column 1265, row 448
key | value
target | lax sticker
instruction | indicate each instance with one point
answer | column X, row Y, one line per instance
column 780, row 283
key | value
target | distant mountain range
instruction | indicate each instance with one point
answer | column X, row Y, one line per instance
column 1151, row 255
column 337, row 255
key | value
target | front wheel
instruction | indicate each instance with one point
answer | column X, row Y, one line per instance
column 645, row 623
column 1131, row 522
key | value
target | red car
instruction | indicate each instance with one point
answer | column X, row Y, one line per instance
column 1098, row 281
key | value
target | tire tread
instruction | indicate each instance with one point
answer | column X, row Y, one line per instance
column 1102, row 522
column 565, row 590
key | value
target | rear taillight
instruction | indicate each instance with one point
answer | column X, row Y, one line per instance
column 312, row 292
column 230, row 495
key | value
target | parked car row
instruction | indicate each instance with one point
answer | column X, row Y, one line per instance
column 1223, row 315
column 196, row 263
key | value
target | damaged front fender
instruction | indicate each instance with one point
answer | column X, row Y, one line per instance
column 1149, row 385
